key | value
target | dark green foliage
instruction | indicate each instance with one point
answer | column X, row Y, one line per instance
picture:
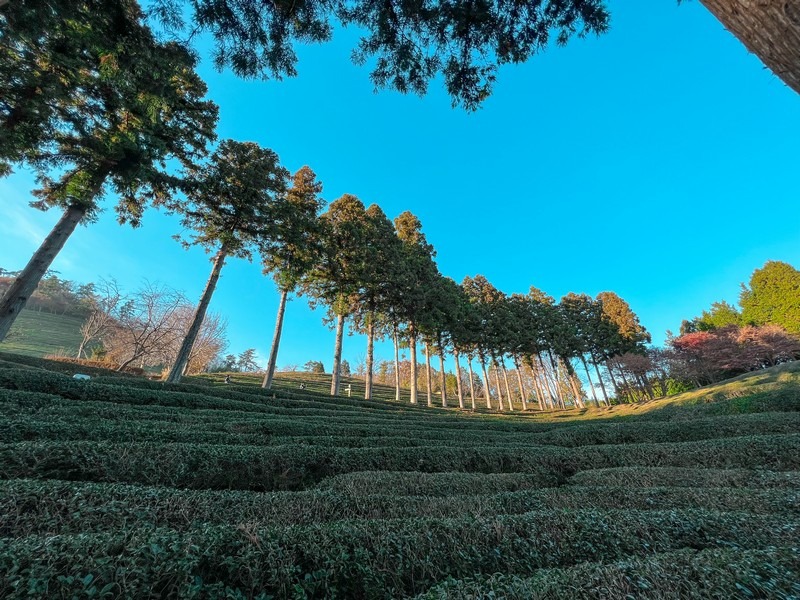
column 713, row 573
column 687, row 477
column 408, row 44
column 363, row 559
column 124, row 487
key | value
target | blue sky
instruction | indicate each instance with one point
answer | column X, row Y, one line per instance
column 659, row 161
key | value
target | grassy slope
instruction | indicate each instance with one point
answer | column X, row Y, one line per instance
column 228, row 491
column 39, row 333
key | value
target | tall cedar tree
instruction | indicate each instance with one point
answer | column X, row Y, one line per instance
column 409, row 43
column 338, row 277
column 90, row 104
column 483, row 297
column 383, row 257
column 235, row 201
column 415, row 283
column 295, row 249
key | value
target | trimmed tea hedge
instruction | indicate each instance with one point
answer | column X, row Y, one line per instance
column 358, row 559
column 57, row 507
column 686, row 574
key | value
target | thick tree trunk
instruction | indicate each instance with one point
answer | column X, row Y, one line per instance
column 412, row 348
column 276, row 341
column 770, row 29
column 370, row 357
column 337, row 356
column 523, row 395
column 182, row 360
column 487, row 391
column 443, row 377
column 428, row 373
column 508, row 388
column 396, row 366
column 591, row 385
column 459, row 388
column 26, row 282
column 471, row 382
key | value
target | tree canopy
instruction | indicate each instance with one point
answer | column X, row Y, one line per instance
column 408, row 44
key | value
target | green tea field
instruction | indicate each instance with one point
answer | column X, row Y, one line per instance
column 121, row 487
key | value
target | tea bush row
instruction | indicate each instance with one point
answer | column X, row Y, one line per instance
column 687, row 477
column 56, row 507
column 358, row 559
column 294, row 467
column 687, row 574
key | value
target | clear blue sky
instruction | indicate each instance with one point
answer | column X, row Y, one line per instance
column 659, row 161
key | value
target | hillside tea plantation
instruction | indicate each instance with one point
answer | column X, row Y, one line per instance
column 121, row 487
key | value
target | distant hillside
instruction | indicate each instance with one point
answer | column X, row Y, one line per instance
column 40, row 333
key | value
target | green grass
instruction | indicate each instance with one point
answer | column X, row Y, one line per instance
column 40, row 333
column 125, row 487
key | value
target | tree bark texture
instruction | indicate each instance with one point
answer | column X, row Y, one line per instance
column 276, row 341
column 181, row 361
column 337, row 356
column 412, row 352
column 428, row 373
column 487, row 392
column 459, row 388
column 471, row 382
column 497, row 385
column 25, row 284
column 770, row 29
column 508, row 388
column 522, row 394
column 396, row 366
column 591, row 385
column 602, row 385
column 370, row 358
column 443, row 377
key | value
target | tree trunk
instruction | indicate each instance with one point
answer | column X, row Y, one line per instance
column 770, row 29
column 276, row 341
column 428, row 373
column 443, row 377
column 370, row 357
column 549, row 397
column 522, row 394
column 412, row 351
column 591, row 385
column 396, row 366
column 471, row 382
column 537, row 385
column 613, row 380
column 497, row 383
column 459, row 389
column 26, row 282
column 182, row 359
column 576, row 389
column 602, row 385
column 487, row 391
column 557, row 381
column 337, row 356
column 508, row 388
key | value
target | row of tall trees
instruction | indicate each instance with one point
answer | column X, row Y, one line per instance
column 97, row 103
